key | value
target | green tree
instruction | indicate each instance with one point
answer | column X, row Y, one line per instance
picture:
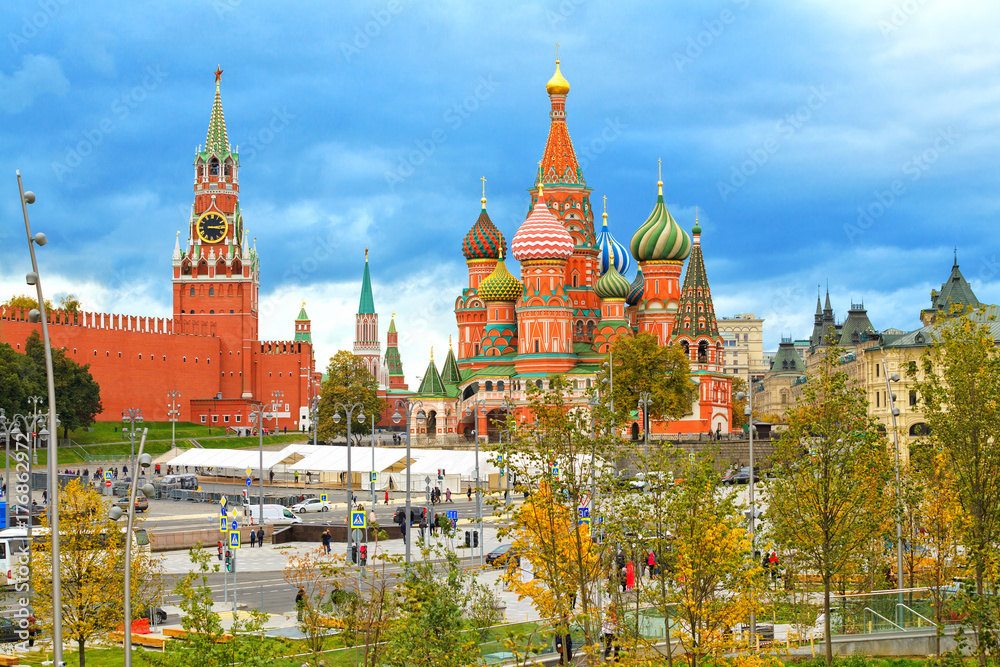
column 348, row 382
column 70, row 304
column 78, row 395
column 13, row 388
column 92, row 550
column 206, row 642
column 959, row 390
column 27, row 302
column 427, row 629
column 640, row 365
column 829, row 498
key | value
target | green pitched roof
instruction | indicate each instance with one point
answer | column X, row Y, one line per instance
column 432, row 383
column 856, row 326
column 449, row 372
column 392, row 325
column 787, row 360
column 367, row 305
column 302, row 313
column 955, row 291
column 695, row 312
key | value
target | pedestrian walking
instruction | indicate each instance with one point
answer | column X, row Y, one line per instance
column 469, row 493
column 296, row 476
column 651, row 564
column 326, row 540
column 630, row 575
column 564, row 643
column 270, row 477
column 608, row 628
column 260, row 536
column 253, row 539
column 386, row 496
column 300, row 604
column 423, row 527
column 447, row 496
column 402, row 530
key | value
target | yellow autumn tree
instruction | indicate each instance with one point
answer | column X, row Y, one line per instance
column 716, row 582
column 92, row 552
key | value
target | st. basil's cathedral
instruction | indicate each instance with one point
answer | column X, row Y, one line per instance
column 573, row 300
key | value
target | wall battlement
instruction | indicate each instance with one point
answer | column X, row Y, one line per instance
column 113, row 322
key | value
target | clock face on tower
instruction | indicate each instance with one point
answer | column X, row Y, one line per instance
column 212, row 227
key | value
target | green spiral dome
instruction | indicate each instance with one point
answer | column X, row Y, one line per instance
column 612, row 285
column 660, row 237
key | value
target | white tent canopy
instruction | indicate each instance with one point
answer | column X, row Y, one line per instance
column 240, row 459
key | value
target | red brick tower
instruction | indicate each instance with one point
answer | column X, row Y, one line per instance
column 216, row 280
column 568, row 198
column 366, row 343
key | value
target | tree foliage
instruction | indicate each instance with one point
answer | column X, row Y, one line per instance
column 832, row 491
column 348, row 382
column 641, row 365
column 316, row 575
column 206, row 642
column 959, row 390
column 92, row 551
column 78, row 395
column 27, row 302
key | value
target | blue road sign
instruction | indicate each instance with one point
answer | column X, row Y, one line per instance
column 235, row 527
column 223, row 512
column 107, row 476
column 223, row 524
column 234, row 539
column 323, row 497
column 249, row 481
column 584, row 520
column 584, row 512
column 358, row 519
column 555, row 471
column 691, row 457
column 453, row 514
column 374, row 477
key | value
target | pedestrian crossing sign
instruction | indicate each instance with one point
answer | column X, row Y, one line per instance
column 555, row 472
column 234, row 539
column 323, row 497
column 107, row 476
column 584, row 520
column 691, row 457
column 223, row 525
column 373, row 477
column 358, row 519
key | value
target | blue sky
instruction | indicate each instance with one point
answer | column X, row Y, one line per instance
column 853, row 142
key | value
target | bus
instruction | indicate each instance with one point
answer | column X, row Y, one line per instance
column 14, row 550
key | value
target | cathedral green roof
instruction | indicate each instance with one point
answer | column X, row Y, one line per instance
column 449, row 372
column 431, row 384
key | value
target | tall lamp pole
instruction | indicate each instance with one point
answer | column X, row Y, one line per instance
column 371, row 479
column 476, row 406
column 173, row 414
column 313, row 412
column 349, row 410
column 258, row 413
column 130, row 416
column 35, row 316
column 748, row 411
column 644, row 402
column 407, row 406
column 115, row 514
column 894, row 411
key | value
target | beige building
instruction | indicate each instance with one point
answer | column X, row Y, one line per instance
column 743, row 345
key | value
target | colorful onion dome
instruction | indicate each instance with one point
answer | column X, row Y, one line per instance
column 612, row 285
column 541, row 235
column 660, row 237
column 500, row 285
column 484, row 240
column 638, row 287
column 606, row 242
column 557, row 85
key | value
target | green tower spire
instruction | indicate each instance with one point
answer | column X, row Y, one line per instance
column 367, row 305
column 303, row 326
column 432, row 383
column 217, row 141
column 449, row 372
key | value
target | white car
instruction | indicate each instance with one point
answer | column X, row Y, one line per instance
column 311, row 505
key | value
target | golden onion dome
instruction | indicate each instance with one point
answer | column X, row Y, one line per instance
column 557, row 85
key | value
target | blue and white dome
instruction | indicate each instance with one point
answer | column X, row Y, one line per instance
column 622, row 257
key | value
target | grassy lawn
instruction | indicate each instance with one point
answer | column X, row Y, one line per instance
column 111, row 432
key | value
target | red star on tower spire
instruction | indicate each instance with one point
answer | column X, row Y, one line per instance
column 218, row 73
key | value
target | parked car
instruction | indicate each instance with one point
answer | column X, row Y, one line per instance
column 11, row 627
column 741, row 476
column 141, row 503
column 158, row 612
column 273, row 514
column 311, row 505
column 499, row 556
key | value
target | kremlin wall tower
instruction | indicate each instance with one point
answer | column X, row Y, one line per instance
column 572, row 301
column 209, row 349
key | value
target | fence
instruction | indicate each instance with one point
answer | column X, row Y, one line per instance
column 881, row 611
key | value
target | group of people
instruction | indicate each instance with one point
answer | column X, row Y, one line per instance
column 257, row 537
column 436, row 496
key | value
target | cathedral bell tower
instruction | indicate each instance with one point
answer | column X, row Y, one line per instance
column 216, row 276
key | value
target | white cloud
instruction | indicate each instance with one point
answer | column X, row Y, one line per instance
column 38, row 75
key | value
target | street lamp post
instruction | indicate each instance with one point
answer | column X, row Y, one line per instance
column 349, row 410
column 313, row 412
column 258, row 413
column 371, row 478
column 407, row 405
column 894, row 411
column 115, row 514
column 644, row 402
column 130, row 416
column 173, row 414
column 474, row 410
column 35, row 316
column 508, row 407
column 748, row 411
